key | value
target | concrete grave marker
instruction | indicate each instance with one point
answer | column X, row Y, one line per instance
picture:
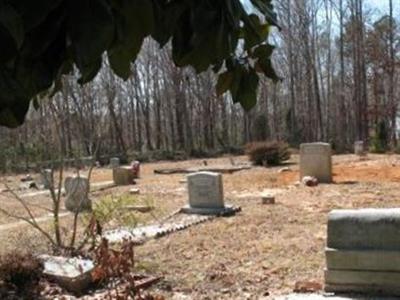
column 123, row 175
column 77, row 193
column 359, row 148
column 316, row 161
column 206, row 195
column 363, row 251
column 114, row 162
column 74, row 274
column 45, row 178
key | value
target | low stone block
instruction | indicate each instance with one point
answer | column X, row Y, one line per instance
column 385, row 283
column 221, row 211
column 123, row 176
column 267, row 199
column 367, row 260
column 364, row 229
column 73, row 274
column 134, row 191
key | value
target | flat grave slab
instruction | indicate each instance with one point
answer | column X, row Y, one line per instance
column 74, row 274
column 141, row 233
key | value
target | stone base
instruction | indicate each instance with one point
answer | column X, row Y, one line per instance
column 367, row 260
column 228, row 210
column 329, row 296
column 365, row 282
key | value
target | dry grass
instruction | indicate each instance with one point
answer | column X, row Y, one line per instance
column 263, row 250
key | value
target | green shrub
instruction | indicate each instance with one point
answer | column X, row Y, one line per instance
column 113, row 209
column 379, row 142
column 267, row 153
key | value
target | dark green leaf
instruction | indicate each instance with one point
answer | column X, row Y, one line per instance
column 224, row 82
column 12, row 22
column 91, row 31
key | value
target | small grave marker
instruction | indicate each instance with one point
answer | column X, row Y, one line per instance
column 123, row 175
column 77, row 193
column 359, row 148
column 114, row 162
column 206, row 195
column 45, row 178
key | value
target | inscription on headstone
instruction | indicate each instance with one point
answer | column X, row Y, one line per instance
column 316, row 161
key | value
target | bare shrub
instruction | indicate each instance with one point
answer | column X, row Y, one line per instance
column 267, row 153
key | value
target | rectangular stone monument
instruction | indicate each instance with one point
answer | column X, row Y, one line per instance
column 316, row 161
column 123, row 175
column 77, row 193
column 359, row 148
column 114, row 162
column 363, row 252
column 206, row 195
column 45, row 178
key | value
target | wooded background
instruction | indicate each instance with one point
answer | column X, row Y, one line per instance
column 340, row 64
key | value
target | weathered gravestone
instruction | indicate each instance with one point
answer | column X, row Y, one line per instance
column 74, row 274
column 316, row 161
column 206, row 195
column 123, row 175
column 359, row 148
column 77, row 194
column 114, row 162
column 45, row 178
column 363, row 251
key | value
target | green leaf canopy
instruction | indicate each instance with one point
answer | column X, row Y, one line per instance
column 43, row 39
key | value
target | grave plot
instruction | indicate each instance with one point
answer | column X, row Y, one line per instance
column 263, row 251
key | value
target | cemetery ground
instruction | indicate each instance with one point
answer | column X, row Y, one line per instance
column 263, row 251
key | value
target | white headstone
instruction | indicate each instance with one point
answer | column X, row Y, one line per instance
column 316, row 161
column 359, row 148
column 114, row 162
column 205, row 190
column 206, row 195
column 77, row 194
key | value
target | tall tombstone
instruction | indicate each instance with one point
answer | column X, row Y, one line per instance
column 45, row 178
column 114, row 162
column 77, row 194
column 363, row 251
column 316, row 161
column 206, row 195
